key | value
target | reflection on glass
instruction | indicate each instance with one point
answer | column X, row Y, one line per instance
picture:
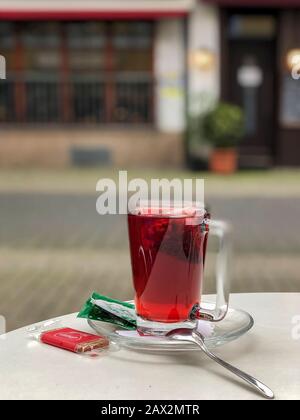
column 132, row 42
column 41, row 34
column 86, row 34
column 42, row 60
column 90, row 60
column 7, row 38
column 252, row 26
column 290, row 104
column 8, row 44
column 133, row 60
column 132, row 35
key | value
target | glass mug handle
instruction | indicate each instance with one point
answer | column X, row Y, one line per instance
column 215, row 312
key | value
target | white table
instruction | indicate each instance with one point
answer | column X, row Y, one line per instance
column 30, row 370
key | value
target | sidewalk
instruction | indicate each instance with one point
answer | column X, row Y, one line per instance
column 274, row 183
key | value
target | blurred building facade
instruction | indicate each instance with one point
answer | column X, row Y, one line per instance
column 115, row 81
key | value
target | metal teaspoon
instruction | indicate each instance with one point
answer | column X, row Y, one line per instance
column 186, row 334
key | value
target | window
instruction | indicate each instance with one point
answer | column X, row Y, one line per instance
column 77, row 72
column 8, row 44
column 252, row 26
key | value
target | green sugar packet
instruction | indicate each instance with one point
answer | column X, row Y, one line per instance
column 105, row 309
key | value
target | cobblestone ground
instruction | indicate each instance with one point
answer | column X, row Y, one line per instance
column 55, row 250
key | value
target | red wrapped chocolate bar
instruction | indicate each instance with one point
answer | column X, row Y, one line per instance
column 80, row 342
column 74, row 340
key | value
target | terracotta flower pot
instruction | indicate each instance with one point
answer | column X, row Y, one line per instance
column 224, row 161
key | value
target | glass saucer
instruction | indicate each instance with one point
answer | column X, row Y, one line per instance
column 236, row 324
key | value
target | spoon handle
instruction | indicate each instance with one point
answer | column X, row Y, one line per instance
column 259, row 386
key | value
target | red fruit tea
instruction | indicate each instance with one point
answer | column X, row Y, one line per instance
column 167, row 256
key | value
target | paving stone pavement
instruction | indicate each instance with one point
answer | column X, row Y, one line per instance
column 55, row 250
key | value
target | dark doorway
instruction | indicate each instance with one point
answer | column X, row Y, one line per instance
column 249, row 80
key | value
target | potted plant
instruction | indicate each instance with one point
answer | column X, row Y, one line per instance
column 223, row 127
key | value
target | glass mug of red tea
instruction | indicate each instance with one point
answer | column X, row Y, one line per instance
column 168, row 249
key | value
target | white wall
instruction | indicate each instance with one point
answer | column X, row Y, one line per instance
column 204, row 32
column 117, row 5
column 169, row 68
column 169, row 63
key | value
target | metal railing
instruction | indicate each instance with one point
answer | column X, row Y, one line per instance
column 84, row 99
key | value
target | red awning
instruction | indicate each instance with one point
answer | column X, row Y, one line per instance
column 256, row 3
